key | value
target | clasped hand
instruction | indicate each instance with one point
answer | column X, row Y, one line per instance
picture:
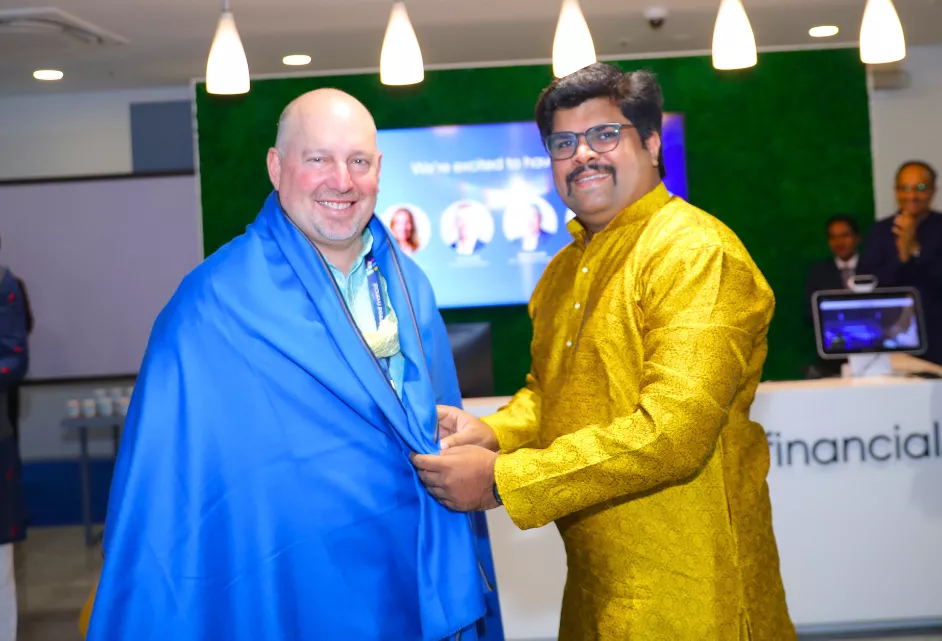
column 904, row 228
column 462, row 477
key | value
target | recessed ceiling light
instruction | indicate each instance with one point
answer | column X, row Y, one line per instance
column 296, row 60
column 47, row 74
column 823, row 32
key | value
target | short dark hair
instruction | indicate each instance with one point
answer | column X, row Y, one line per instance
column 847, row 219
column 636, row 93
column 922, row 165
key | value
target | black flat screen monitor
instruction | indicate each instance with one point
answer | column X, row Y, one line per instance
column 471, row 347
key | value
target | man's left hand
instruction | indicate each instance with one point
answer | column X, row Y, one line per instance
column 461, row 478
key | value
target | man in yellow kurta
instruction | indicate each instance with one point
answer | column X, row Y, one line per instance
column 633, row 430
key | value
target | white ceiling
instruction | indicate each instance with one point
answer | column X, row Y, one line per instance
column 168, row 40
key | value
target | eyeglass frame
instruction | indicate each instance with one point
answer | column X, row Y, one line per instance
column 921, row 188
column 617, row 125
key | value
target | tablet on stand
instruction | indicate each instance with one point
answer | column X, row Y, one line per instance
column 866, row 324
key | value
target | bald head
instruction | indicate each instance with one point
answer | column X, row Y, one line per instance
column 329, row 107
column 325, row 167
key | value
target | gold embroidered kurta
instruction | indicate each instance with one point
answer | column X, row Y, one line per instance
column 633, row 431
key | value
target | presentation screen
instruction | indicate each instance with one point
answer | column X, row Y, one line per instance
column 476, row 208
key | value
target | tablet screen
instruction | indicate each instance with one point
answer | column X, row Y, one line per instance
column 882, row 321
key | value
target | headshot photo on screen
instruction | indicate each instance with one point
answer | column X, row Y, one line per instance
column 530, row 224
column 410, row 227
column 467, row 227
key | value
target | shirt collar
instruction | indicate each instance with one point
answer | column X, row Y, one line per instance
column 637, row 212
column 850, row 263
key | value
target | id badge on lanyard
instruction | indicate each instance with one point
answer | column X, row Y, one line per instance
column 376, row 302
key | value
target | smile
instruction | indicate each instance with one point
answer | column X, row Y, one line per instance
column 330, row 204
column 585, row 179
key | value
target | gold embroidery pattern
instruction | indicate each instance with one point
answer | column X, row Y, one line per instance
column 633, row 431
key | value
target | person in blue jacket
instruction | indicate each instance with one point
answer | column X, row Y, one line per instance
column 263, row 488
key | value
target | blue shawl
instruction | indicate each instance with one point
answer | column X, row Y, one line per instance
column 263, row 488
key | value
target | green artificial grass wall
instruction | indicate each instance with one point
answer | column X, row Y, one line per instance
column 772, row 151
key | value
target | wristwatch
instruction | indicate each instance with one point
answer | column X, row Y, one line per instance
column 497, row 495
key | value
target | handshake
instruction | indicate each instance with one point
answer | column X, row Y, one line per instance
column 461, row 477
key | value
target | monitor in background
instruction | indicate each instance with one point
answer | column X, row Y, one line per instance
column 471, row 347
column 883, row 321
column 476, row 207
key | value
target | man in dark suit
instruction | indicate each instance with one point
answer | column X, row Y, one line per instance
column 833, row 273
column 906, row 248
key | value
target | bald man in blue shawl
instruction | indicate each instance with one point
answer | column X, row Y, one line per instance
column 263, row 490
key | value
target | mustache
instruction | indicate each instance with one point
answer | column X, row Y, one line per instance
column 593, row 167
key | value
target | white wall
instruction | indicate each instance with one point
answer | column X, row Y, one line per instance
column 906, row 124
column 71, row 134
column 95, row 299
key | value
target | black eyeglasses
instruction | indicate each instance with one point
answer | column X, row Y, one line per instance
column 908, row 188
column 562, row 145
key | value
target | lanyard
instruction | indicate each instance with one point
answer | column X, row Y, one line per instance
column 376, row 302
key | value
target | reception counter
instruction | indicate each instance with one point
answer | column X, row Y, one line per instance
column 856, row 488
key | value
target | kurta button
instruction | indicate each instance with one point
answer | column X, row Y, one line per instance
column 577, row 305
column 585, row 270
column 568, row 343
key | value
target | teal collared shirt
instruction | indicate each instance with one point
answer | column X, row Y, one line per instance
column 356, row 295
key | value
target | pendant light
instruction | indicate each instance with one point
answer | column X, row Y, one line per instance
column 400, row 62
column 881, row 34
column 227, row 70
column 734, row 44
column 573, row 48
